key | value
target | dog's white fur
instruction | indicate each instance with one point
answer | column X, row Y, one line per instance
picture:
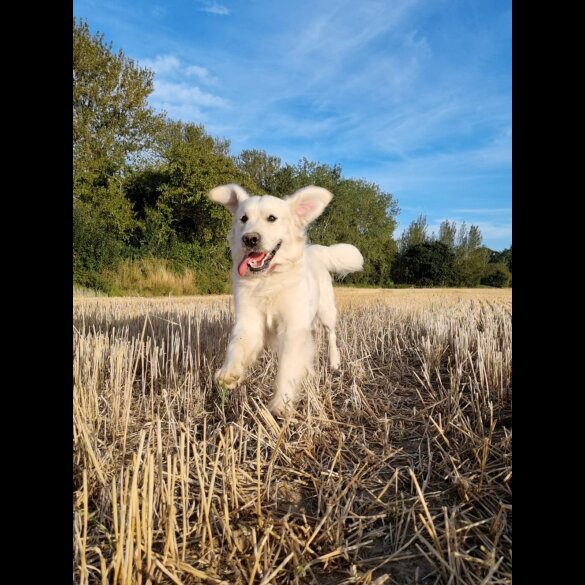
column 281, row 305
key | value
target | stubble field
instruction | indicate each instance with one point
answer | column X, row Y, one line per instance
column 396, row 469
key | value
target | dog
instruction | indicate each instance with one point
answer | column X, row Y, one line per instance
column 282, row 286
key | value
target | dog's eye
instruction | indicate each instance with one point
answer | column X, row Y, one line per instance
column 271, row 218
column 244, row 218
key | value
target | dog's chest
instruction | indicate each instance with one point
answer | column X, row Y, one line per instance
column 272, row 309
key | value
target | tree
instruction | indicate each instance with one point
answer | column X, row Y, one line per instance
column 111, row 117
column 447, row 233
column 429, row 263
column 471, row 257
column 169, row 197
column 261, row 168
column 416, row 233
column 111, row 122
column 282, row 180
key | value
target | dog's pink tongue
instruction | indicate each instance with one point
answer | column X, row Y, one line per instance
column 255, row 259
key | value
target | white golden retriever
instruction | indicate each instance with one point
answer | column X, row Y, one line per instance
column 282, row 285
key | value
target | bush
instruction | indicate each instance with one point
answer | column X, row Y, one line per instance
column 95, row 247
column 497, row 275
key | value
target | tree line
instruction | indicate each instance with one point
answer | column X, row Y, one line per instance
column 453, row 257
column 140, row 184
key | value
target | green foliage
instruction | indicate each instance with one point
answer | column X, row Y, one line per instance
column 447, row 233
column 468, row 257
column 261, row 168
column 111, row 118
column 111, row 122
column 470, row 267
column 95, row 246
column 471, row 257
column 176, row 220
column 505, row 257
column 429, row 263
column 416, row 233
column 306, row 172
column 496, row 274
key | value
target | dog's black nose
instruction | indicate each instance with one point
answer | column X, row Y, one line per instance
column 251, row 239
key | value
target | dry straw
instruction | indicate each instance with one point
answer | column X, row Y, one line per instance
column 395, row 470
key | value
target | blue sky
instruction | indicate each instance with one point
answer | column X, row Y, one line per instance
column 414, row 95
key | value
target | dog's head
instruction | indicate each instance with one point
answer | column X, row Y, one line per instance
column 269, row 233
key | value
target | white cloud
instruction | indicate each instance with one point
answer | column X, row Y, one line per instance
column 214, row 8
column 177, row 93
column 202, row 73
column 162, row 64
column 171, row 66
column 181, row 98
column 342, row 30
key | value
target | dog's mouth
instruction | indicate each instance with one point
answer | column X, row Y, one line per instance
column 257, row 261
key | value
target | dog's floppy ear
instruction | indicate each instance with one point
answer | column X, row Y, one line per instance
column 230, row 196
column 308, row 203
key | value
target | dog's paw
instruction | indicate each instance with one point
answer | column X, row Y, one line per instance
column 228, row 379
column 279, row 407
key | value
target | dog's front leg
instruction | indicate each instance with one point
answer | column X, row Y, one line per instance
column 246, row 342
column 296, row 352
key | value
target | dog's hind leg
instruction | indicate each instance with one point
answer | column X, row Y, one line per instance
column 328, row 316
column 334, row 357
column 296, row 352
column 246, row 343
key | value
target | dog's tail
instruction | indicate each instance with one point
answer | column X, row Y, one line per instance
column 341, row 259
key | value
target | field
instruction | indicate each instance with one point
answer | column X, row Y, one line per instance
column 396, row 470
